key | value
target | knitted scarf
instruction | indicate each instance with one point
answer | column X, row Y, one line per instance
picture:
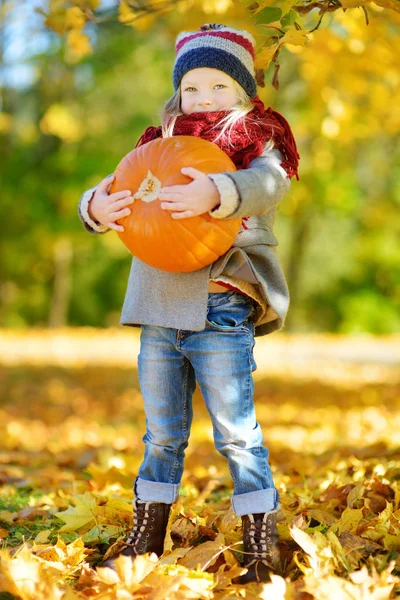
column 246, row 139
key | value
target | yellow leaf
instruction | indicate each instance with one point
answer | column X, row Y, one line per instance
column 349, row 520
column 79, row 43
column 109, row 475
column 7, row 516
column 331, row 587
column 317, row 547
column 101, row 533
column 75, row 18
column 224, row 575
column 120, row 507
column 218, row 7
column 80, row 514
column 262, row 4
column 128, row 572
column 204, row 555
column 179, row 583
column 58, row 120
column 393, row 4
column 354, row 3
column 296, row 37
column 265, row 56
column 385, row 516
column 276, row 590
column 42, row 537
column 126, row 14
column 391, row 542
column 337, row 549
column 173, row 556
column 75, row 552
column 284, row 5
column 29, row 577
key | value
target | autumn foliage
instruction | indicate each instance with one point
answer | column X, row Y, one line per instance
column 71, row 446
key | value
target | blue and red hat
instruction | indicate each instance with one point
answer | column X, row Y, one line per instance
column 217, row 47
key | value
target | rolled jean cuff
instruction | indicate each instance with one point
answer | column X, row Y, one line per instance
column 156, row 491
column 260, row 501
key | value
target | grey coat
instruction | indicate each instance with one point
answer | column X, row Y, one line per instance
column 179, row 300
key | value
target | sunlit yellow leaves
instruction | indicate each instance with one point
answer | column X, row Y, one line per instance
column 141, row 19
column 71, row 20
column 375, row 587
column 29, row 577
column 70, row 555
column 79, row 515
column 354, row 3
column 43, row 536
column 60, row 121
column 103, row 477
column 147, row 579
column 218, row 7
column 264, row 57
column 75, row 18
column 349, row 520
column 335, row 466
column 392, row 4
column 295, row 37
column 317, row 548
column 292, row 37
column 126, row 14
column 276, row 590
column 204, row 555
column 78, row 44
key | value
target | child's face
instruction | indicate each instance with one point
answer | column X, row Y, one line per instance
column 204, row 90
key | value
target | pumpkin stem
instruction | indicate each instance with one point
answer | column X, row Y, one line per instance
column 149, row 189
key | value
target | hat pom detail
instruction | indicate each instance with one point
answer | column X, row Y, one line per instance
column 210, row 26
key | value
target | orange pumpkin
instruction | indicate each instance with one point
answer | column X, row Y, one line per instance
column 151, row 234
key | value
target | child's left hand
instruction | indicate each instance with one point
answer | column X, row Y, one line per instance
column 192, row 199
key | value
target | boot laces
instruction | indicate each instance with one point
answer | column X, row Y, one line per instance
column 260, row 536
column 141, row 520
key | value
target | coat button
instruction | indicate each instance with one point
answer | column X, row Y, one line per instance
column 180, row 334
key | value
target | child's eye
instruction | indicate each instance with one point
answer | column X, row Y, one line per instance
column 189, row 88
column 220, row 85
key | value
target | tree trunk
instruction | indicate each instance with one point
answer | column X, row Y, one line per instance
column 301, row 230
column 58, row 314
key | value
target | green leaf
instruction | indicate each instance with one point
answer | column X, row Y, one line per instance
column 288, row 19
column 268, row 15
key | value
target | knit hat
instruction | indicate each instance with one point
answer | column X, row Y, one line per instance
column 217, row 47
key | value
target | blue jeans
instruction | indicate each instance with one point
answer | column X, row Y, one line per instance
column 220, row 358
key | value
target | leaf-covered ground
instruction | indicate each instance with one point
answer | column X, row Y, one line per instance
column 70, row 447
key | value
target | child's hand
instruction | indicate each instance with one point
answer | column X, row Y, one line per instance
column 108, row 208
column 195, row 198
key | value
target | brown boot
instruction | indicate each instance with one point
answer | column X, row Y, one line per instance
column 148, row 532
column 261, row 551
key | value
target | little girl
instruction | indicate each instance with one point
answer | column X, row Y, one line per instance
column 200, row 326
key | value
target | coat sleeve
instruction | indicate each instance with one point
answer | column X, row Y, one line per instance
column 252, row 191
column 83, row 212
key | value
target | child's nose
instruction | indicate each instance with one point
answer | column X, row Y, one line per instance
column 205, row 101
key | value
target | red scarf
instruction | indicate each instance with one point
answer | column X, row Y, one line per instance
column 246, row 139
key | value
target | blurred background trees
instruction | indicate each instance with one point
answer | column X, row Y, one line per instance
column 77, row 90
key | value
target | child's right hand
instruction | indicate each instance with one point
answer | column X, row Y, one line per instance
column 107, row 208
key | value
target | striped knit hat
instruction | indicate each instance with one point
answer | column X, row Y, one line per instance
column 217, row 47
